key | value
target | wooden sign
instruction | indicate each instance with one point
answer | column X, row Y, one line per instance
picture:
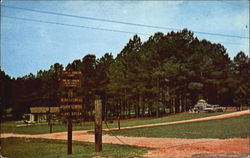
column 71, row 110
column 71, row 79
column 73, row 114
column 72, row 107
column 71, row 100
column 71, row 83
column 71, row 74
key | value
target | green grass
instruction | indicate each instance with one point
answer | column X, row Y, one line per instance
column 170, row 118
column 225, row 128
column 11, row 126
column 45, row 148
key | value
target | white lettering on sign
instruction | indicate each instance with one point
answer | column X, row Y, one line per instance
column 71, row 74
column 71, row 100
column 71, row 83
column 72, row 107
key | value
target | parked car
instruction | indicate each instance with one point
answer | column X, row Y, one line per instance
column 214, row 108
column 208, row 108
column 218, row 108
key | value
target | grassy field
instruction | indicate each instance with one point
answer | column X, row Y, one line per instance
column 170, row 118
column 225, row 128
column 11, row 127
column 45, row 148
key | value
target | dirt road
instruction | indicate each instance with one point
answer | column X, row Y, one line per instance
column 224, row 116
column 161, row 147
column 164, row 147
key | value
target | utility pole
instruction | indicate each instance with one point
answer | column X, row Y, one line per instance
column 98, row 125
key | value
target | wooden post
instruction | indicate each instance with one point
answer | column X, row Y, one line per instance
column 69, row 135
column 50, row 127
column 50, row 120
column 119, row 125
column 98, row 125
column 70, row 95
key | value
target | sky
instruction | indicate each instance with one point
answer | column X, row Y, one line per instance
column 28, row 46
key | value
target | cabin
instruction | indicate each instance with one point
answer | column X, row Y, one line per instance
column 40, row 114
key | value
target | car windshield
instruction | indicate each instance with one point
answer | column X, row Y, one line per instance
column 209, row 106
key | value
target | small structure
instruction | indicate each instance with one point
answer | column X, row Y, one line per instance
column 203, row 106
column 40, row 114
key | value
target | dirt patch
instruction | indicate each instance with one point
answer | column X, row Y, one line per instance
column 187, row 148
column 161, row 147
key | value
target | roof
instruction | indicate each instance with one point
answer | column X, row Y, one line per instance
column 202, row 101
column 43, row 110
column 199, row 104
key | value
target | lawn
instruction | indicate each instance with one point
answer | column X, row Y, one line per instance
column 224, row 128
column 45, row 148
column 11, row 127
column 170, row 118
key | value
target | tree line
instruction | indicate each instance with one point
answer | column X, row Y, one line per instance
column 166, row 74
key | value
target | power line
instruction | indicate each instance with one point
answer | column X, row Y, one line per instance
column 121, row 22
column 88, row 27
column 230, row 43
column 72, row 25
column 236, row 5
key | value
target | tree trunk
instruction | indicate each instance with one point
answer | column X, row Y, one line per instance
column 176, row 104
column 180, row 102
column 136, row 110
column 185, row 103
column 157, row 108
column 143, row 109
column 129, row 110
column 173, row 106
column 140, row 104
column 157, row 97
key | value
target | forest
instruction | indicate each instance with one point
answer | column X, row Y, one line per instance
column 166, row 74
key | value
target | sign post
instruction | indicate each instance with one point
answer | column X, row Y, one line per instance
column 70, row 95
column 69, row 135
column 98, row 125
column 70, row 80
